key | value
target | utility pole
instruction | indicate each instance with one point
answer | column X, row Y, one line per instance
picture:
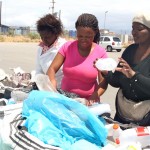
column 105, row 19
column 59, row 14
column 53, row 6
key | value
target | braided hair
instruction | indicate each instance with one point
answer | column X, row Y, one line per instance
column 90, row 21
column 50, row 23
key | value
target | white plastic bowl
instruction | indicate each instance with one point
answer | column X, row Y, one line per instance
column 108, row 64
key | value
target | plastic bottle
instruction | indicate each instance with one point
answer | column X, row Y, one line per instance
column 139, row 134
column 109, row 127
column 116, row 133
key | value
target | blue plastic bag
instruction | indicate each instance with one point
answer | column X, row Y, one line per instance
column 65, row 120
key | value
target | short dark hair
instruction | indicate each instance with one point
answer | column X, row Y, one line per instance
column 50, row 23
column 89, row 20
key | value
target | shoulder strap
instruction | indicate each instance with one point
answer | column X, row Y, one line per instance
column 110, row 120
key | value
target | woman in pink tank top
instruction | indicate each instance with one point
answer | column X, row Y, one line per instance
column 77, row 57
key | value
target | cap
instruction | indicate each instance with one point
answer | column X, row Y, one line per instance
column 143, row 18
column 115, row 126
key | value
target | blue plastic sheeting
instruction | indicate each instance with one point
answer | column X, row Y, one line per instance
column 61, row 121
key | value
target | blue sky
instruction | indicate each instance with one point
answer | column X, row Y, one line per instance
column 118, row 17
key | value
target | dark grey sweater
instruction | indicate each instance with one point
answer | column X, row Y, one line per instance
column 136, row 88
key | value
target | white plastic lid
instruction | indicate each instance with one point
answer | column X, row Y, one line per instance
column 108, row 64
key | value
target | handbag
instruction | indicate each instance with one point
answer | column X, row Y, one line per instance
column 131, row 110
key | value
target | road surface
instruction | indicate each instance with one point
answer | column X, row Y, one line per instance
column 23, row 55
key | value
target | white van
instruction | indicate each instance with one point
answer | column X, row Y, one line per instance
column 111, row 43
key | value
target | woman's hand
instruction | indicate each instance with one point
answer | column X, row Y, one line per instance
column 90, row 102
column 94, row 98
column 84, row 101
column 125, row 68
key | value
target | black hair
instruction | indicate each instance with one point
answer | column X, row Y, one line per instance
column 50, row 23
column 90, row 21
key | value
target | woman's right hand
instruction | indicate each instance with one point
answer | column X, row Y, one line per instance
column 125, row 68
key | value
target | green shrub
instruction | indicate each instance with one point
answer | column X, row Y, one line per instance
column 11, row 33
column 2, row 38
column 33, row 36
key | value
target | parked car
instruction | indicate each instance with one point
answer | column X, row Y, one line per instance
column 111, row 43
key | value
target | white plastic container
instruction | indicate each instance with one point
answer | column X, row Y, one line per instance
column 116, row 133
column 112, row 128
column 108, row 64
column 109, row 127
column 139, row 134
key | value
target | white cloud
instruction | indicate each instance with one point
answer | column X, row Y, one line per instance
column 118, row 18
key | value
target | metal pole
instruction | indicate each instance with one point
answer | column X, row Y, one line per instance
column 105, row 19
column 59, row 14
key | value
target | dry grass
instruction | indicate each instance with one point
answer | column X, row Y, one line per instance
column 19, row 38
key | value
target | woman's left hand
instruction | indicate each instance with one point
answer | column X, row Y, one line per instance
column 125, row 68
column 93, row 99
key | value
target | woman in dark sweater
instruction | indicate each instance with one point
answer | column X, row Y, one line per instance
column 132, row 76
